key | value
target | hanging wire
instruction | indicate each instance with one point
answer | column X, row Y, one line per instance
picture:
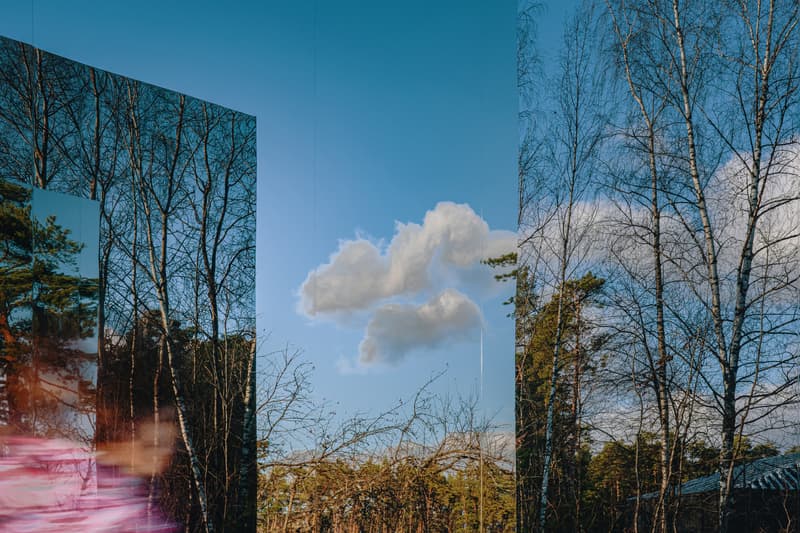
column 314, row 122
column 480, row 441
column 480, row 444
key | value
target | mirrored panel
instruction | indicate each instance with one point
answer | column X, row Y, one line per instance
column 16, row 287
column 65, row 238
column 48, row 308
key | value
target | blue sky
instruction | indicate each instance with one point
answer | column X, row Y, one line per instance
column 368, row 113
column 77, row 215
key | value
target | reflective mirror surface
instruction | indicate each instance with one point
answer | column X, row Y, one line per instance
column 127, row 284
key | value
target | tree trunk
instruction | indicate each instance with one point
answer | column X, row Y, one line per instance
column 248, row 469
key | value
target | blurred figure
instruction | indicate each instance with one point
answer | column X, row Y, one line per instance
column 51, row 485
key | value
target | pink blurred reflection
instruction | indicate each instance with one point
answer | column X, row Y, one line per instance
column 52, row 485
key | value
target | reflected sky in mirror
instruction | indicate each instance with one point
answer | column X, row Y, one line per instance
column 79, row 218
column 48, row 312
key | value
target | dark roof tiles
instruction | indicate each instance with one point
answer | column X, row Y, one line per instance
column 781, row 472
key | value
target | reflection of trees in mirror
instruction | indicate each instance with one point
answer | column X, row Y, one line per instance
column 46, row 309
column 174, row 178
column 16, row 283
column 147, row 393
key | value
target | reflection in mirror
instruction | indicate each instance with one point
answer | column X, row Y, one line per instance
column 16, row 283
column 127, row 325
column 16, row 109
column 48, row 314
column 66, row 236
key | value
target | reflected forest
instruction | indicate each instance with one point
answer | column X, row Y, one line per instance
column 658, row 289
column 127, row 286
column 49, row 309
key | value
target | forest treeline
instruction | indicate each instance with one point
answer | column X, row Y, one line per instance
column 429, row 463
column 658, row 272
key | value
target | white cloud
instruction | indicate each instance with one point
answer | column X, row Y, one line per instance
column 361, row 273
column 397, row 329
column 777, row 237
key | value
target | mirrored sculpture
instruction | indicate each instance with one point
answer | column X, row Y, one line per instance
column 127, row 282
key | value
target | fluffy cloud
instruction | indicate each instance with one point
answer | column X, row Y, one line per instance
column 397, row 329
column 361, row 273
column 779, row 217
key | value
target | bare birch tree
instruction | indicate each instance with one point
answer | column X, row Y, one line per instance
column 728, row 78
column 643, row 136
column 573, row 145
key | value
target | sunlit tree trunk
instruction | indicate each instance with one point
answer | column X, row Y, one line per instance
column 158, row 252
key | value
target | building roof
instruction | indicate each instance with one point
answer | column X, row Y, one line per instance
column 781, row 472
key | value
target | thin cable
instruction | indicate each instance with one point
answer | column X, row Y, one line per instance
column 480, row 397
column 480, row 440
column 480, row 443
column 314, row 122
